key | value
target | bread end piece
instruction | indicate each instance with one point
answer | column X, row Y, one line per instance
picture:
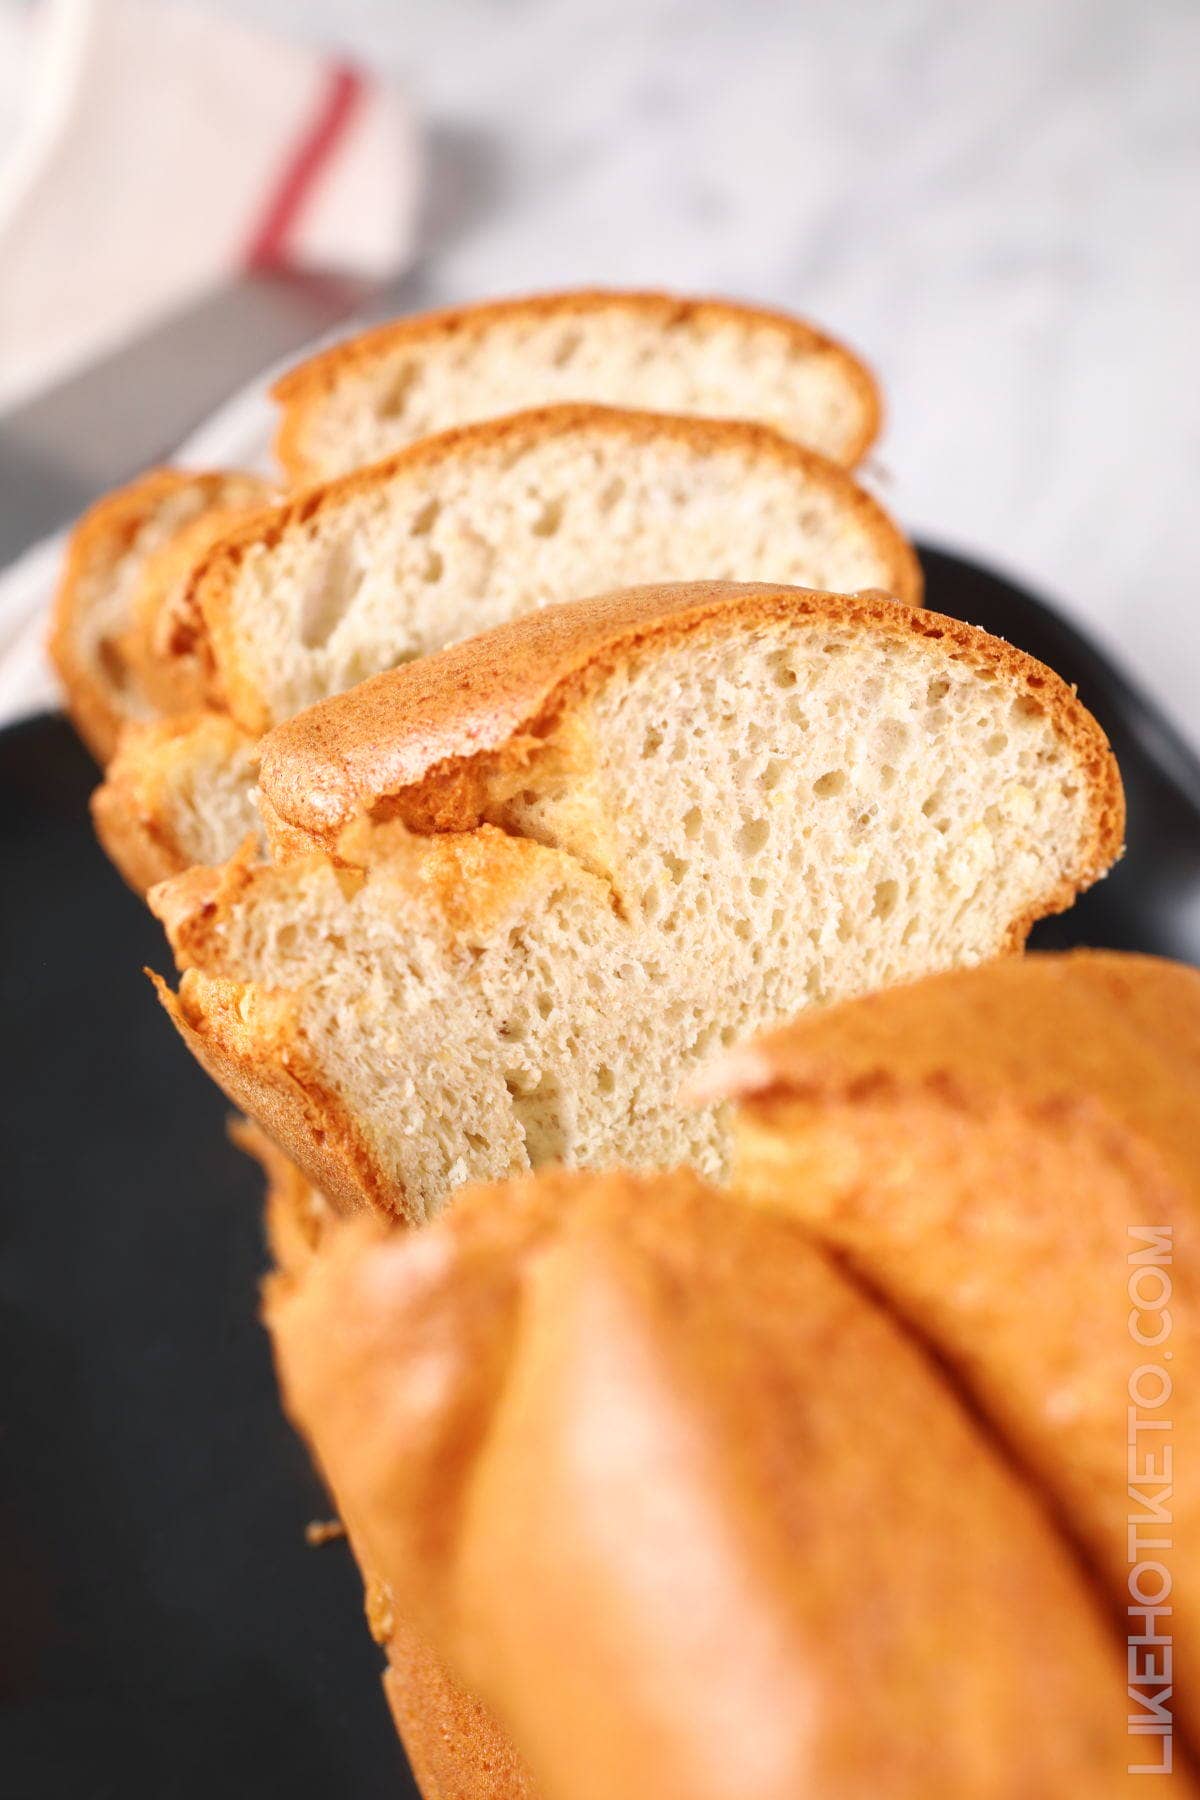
column 662, row 1420
column 1008, row 1155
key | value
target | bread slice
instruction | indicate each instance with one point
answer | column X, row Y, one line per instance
column 606, row 839
column 444, row 540
column 1011, row 1155
column 111, row 577
column 476, row 526
column 177, row 792
column 370, row 395
column 669, row 1492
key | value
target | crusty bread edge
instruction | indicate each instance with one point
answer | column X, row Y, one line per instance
column 454, row 1744
column 251, row 1045
column 103, row 532
column 171, row 683
column 301, row 389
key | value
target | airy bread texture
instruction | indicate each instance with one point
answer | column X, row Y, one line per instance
column 1001, row 1152
column 684, row 1507
column 365, row 397
column 480, row 525
column 447, row 539
column 115, row 578
column 622, row 834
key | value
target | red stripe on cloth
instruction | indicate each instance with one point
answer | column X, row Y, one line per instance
column 339, row 100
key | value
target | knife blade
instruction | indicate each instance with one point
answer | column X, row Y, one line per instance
column 97, row 429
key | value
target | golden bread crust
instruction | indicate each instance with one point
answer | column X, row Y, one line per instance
column 105, row 534
column 202, row 641
column 1010, row 1155
column 171, row 682
column 302, row 389
column 454, row 1745
column 251, row 1044
column 455, row 1748
column 644, row 1410
column 421, row 742
column 1036, row 1029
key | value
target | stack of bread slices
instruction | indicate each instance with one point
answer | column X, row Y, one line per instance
column 561, row 716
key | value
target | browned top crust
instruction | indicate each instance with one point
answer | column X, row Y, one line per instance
column 422, row 732
column 671, row 1425
column 304, row 385
column 993, row 1150
column 1123, row 1030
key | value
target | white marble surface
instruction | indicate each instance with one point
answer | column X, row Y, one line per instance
column 995, row 202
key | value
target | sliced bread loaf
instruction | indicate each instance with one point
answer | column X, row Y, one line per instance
column 605, row 840
column 363, row 398
column 447, row 539
column 113, row 582
column 687, row 1511
column 1011, row 1156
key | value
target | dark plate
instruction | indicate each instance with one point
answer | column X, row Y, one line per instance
column 164, row 1631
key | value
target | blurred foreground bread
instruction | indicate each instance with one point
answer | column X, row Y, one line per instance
column 614, row 837
column 687, row 1512
column 445, row 539
column 363, row 398
column 1011, row 1156
column 121, row 565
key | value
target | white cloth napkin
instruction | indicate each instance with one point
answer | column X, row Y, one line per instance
column 163, row 150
